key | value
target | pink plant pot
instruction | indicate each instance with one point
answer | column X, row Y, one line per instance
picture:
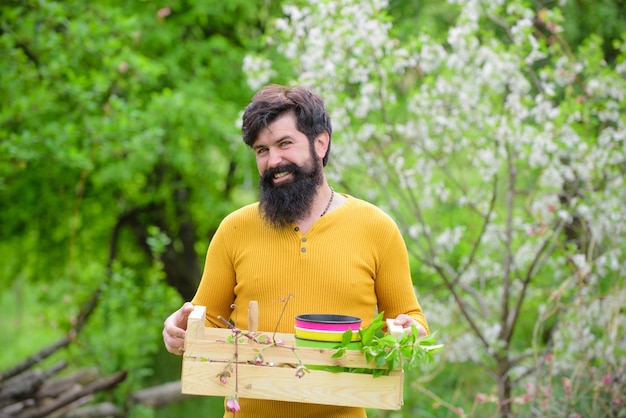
column 328, row 322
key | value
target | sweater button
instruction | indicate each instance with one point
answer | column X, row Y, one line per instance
column 303, row 250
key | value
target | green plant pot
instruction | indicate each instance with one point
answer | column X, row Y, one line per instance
column 329, row 345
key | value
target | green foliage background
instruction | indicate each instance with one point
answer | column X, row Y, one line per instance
column 120, row 154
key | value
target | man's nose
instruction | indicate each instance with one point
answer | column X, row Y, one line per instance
column 275, row 158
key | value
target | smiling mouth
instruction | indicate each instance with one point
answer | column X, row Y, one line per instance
column 281, row 174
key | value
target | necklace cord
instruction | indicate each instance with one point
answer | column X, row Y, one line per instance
column 330, row 201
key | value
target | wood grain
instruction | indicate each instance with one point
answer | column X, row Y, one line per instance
column 208, row 352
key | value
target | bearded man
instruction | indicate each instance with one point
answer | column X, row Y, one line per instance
column 328, row 252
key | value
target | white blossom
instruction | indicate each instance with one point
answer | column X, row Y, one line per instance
column 473, row 111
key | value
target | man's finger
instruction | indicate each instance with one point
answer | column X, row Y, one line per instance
column 183, row 315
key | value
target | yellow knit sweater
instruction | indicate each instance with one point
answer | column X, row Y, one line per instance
column 352, row 261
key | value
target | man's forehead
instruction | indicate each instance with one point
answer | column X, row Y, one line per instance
column 282, row 127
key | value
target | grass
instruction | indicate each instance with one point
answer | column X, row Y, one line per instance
column 25, row 328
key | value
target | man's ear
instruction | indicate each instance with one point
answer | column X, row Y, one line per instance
column 321, row 144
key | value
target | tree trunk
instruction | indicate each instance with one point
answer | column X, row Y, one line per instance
column 47, row 408
column 159, row 395
column 100, row 410
column 504, row 387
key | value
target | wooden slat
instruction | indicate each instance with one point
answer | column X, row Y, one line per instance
column 221, row 334
column 222, row 351
column 278, row 383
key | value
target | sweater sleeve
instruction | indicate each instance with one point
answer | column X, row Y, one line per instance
column 216, row 289
column 394, row 287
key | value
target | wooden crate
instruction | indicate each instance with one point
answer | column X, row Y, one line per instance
column 207, row 353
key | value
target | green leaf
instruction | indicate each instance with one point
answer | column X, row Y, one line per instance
column 392, row 361
column 368, row 334
column 427, row 340
column 381, row 360
column 389, row 340
column 339, row 353
column 346, row 338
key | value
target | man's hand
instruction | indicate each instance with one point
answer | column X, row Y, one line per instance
column 174, row 329
column 406, row 321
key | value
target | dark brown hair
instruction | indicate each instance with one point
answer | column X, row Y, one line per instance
column 273, row 101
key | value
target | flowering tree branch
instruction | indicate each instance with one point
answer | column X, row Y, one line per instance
column 502, row 159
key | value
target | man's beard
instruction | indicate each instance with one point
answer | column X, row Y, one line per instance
column 283, row 204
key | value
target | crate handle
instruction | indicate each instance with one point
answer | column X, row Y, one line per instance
column 253, row 316
column 195, row 322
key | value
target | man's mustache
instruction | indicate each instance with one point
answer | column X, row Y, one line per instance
column 268, row 175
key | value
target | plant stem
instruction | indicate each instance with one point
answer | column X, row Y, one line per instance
column 282, row 311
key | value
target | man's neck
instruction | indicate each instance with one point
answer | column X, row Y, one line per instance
column 324, row 202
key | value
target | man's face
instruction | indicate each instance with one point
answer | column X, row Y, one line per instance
column 290, row 169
